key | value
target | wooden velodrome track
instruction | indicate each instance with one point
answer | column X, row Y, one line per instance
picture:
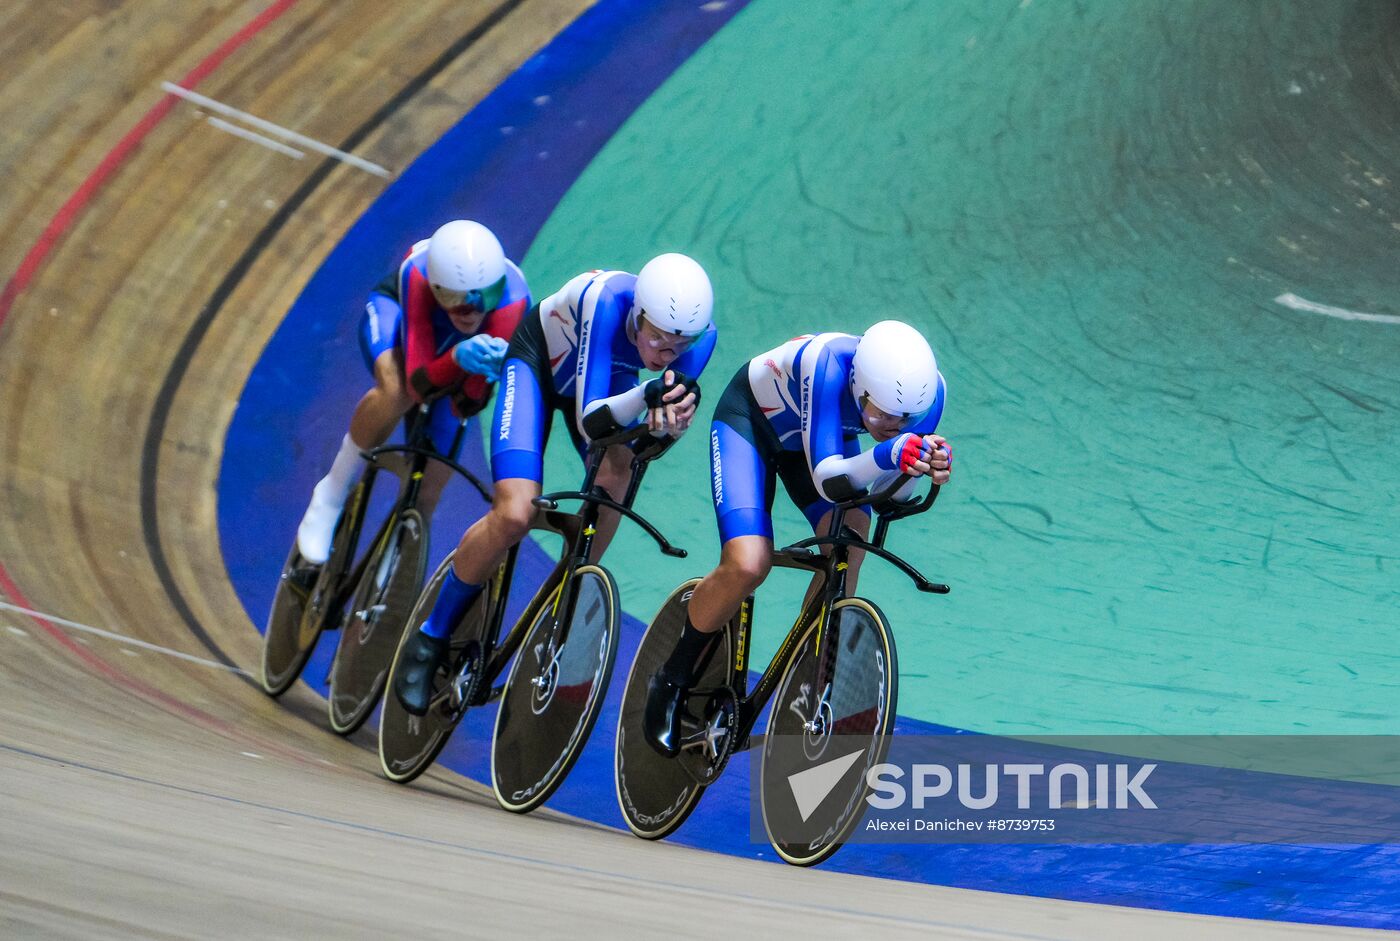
column 146, row 795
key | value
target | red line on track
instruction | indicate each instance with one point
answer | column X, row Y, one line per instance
column 63, row 219
column 142, row 689
column 30, row 265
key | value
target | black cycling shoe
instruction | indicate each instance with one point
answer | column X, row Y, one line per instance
column 302, row 578
column 661, row 722
column 419, row 662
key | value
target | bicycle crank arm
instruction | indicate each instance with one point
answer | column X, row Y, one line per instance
column 704, row 740
column 371, row 614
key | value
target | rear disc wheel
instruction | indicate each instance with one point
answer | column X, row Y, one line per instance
column 286, row 644
column 657, row 793
column 306, row 601
column 382, row 603
column 409, row 744
column 553, row 696
column 830, row 723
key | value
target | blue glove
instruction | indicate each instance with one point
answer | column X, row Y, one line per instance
column 481, row 355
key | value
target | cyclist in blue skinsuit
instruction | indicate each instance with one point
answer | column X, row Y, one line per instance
column 578, row 352
column 796, row 413
column 437, row 327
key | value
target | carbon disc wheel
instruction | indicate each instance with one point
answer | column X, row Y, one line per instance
column 286, row 645
column 382, row 603
column 306, row 601
column 409, row 744
column 554, row 693
column 829, row 726
column 657, row 793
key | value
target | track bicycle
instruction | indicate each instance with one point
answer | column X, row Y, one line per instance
column 567, row 643
column 379, row 591
column 833, row 683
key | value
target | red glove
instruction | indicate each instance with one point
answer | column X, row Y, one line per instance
column 910, row 450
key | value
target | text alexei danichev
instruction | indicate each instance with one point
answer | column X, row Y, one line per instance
column 953, row 824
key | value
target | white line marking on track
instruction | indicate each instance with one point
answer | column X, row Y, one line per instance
column 301, row 140
column 17, row 631
column 1295, row 302
column 120, row 638
column 255, row 137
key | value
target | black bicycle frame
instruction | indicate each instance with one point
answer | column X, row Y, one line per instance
column 832, row 566
column 418, row 448
column 578, row 530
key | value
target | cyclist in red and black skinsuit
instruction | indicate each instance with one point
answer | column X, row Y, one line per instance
column 434, row 330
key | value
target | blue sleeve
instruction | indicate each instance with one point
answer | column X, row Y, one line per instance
column 694, row 360
column 400, row 293
column 598, row 331
column 621, row 381
column 822, row 436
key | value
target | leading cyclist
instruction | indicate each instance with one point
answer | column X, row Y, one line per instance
column 796, row 412
column 578, row 352
column 437, row 326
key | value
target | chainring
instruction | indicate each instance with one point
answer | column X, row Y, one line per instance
column 708, row 742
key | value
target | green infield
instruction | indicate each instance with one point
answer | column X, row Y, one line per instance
column 1154, row 245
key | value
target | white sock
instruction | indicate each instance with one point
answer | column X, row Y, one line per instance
column 327, row 501
column 345, row 470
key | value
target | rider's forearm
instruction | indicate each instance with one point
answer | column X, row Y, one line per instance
column 603, row 417
column 444, row 371
column 859, row 471
column 434, row 376
column 862, row 470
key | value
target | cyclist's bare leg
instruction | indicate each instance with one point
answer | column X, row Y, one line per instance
column 435, row 479
column 479, row 553
column 744, row 562
column 382, row 407
column 861, row 524
column 613, row 476
column 375, row 417
column 486, row 542
column 512, row 512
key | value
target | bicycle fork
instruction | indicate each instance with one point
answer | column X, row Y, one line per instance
column 582, row 551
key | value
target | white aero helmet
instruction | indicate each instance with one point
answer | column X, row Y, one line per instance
column 465, row 257
column 673, row 293
column 894, row 369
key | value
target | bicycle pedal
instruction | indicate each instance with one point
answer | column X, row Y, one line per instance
column 371, row 614
column 302, row 579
